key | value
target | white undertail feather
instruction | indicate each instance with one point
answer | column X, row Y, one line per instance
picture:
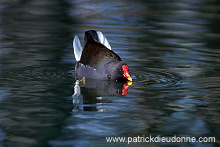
column 77, row 48
column 103, row 39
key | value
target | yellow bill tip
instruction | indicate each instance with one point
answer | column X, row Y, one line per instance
column 129, row 79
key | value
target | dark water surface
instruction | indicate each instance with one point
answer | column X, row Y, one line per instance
column 171, row 47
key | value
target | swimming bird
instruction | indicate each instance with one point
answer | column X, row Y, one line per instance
column 96, row 60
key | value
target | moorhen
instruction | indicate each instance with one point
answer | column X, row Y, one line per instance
column 97, row 60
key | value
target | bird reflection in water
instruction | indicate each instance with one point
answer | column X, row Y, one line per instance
column 88, row 93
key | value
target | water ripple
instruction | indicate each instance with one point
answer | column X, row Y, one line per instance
column 37, row 74
column 157, row 78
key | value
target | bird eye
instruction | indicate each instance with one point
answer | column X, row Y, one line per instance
column 119, row 69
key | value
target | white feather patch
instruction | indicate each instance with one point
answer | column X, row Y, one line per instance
column 77, row 48
column 103, row 40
